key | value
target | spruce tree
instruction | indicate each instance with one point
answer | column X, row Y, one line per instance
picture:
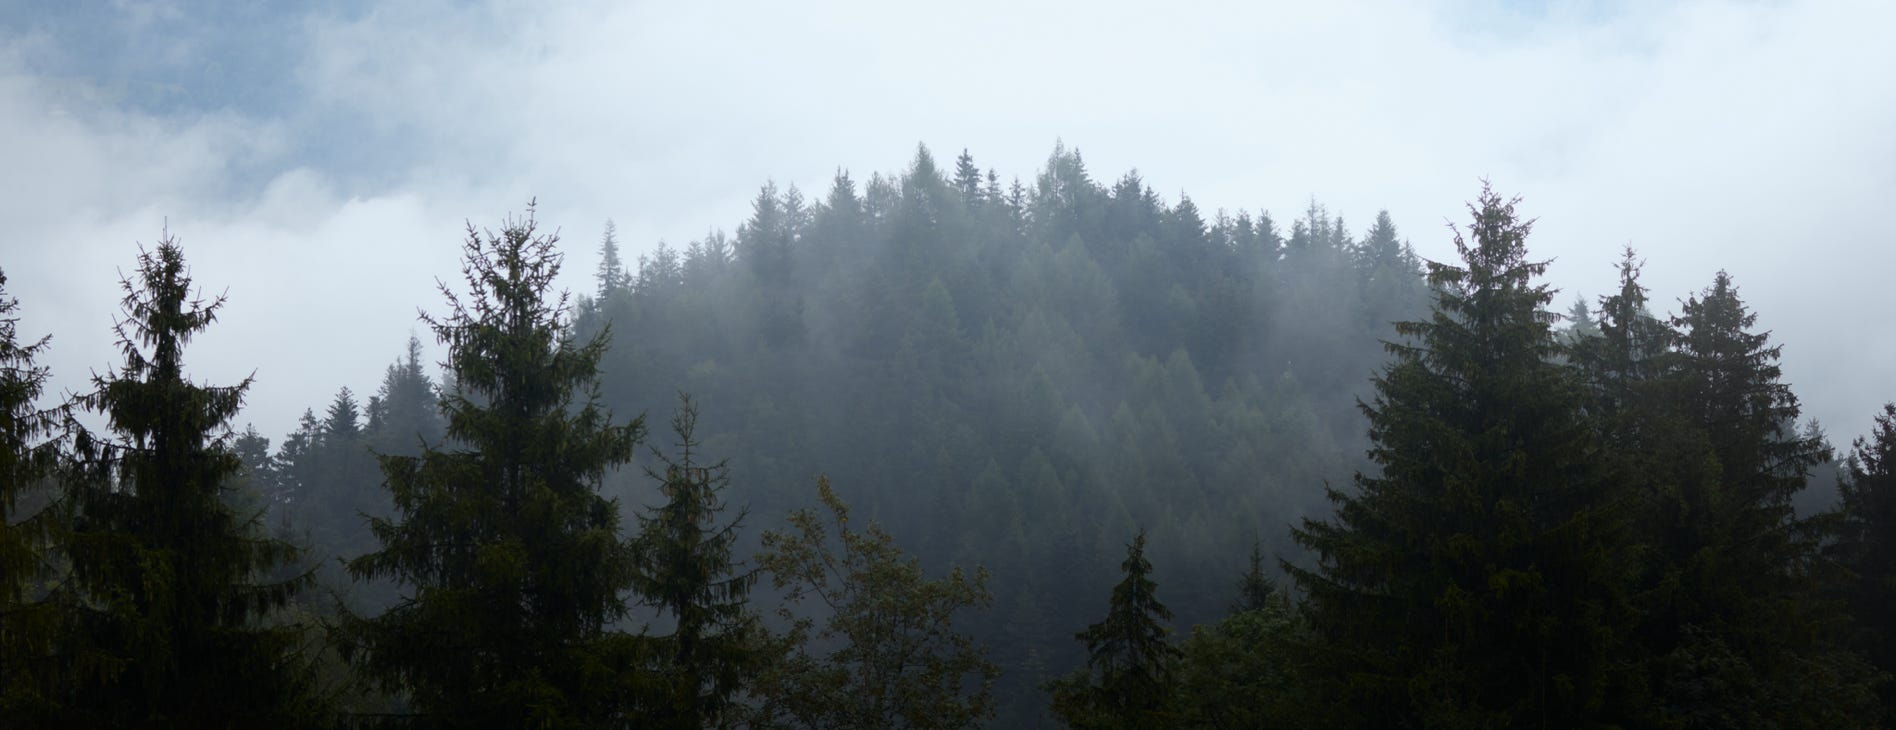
column 1749, row 415
column 27, row 455
column 685, row 568
column 1127, row 681
column 166, row 581
column 1474, row 578
column 513, row 564
column 411, row 413
column 612, row 275
column 1866, row 545
column 1752, row 642
column 968, row 179
column 1255, row 589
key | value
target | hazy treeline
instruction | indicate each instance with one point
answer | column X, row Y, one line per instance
column 1115, row 415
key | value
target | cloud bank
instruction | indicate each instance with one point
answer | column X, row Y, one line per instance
column 320, row 167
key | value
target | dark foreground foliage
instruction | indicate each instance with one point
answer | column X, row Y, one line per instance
column 1603, row 523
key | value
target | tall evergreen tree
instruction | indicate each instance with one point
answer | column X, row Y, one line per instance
column 612, row 275
column 514, row 564
column 342, row 485
column 1753, row 644
column 1866, row 545
column 27, row 456
column 1255, row 589
column 1128, row 678
column 685, row 568
column 165, row 578
column 1475, row 579
column 1750, row 416
column 411, row 408
column 968, row 179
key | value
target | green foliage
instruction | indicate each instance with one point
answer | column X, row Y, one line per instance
column 1475, row 579
column 1242, row 671
column 888, row 654
column 27, row 455
column 1256, row 591
column 1865, row 545
column 612, row 275
column 165, row 583
column 685, row 568
column 513, row 565
column 405, row 414
column 1163, row 361
column 1128, row 680
column 1737, row 629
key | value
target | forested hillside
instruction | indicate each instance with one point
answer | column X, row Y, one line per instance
column 961, row 451
column 1021, row 375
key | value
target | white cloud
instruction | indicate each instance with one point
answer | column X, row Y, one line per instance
column 1752, row 137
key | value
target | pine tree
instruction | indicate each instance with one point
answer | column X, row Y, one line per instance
column 1751, row 643
column 1580, row 322
column 612, row 276
column 1474, row 579
column 27, row 456
column 164, row 578
column 686, row 569
column 968, row 179
column 342, row 484
column 297, row 460
column 1866, row 545
column 1750, row 418
column 411, row 412
column 1128, row 678
column 1255, row 589
column 514, row 565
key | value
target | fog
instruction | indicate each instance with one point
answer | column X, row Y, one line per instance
column 321, row 166
column 1155, row 317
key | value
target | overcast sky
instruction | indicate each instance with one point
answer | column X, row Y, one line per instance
column 320, row 168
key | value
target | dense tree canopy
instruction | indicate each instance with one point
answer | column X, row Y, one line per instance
column 27, row 454
column 1618, row 521
column 166, row 582
column 513, row 566
column 1128, row 680
column 687, row 570
column 1473, row 579
column 886, row 654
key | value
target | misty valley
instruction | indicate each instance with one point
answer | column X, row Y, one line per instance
column 943, row 449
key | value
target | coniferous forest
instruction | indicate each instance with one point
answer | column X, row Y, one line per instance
column 943, row 449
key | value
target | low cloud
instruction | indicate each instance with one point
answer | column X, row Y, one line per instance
column 328, row 197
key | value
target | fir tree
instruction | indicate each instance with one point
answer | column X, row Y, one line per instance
column 27, row 455
column 411, row 412
column 1750, row 642
column 685, row 568
column 1474, row 580
column 1255, row 589
column 514, row 565
column 1866, row 544
column 968, row 179
column 1128, row 678
column 612, row 276
column 1750, row 419
column 1580, row 322
column 165, row 578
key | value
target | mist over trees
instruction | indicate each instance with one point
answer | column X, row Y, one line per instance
column 1080, row 455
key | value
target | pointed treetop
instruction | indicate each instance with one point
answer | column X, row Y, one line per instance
column 612, row 274
column 968, row 178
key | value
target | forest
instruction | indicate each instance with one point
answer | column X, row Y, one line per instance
column 936, row 449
